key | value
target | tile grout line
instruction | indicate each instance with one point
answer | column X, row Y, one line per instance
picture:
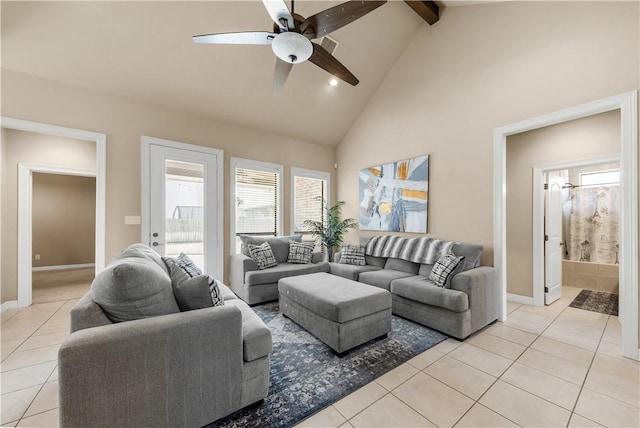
column 45, row 382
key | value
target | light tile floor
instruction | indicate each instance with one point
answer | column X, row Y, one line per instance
column 546, row 366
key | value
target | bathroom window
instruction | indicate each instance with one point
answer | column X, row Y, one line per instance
column 609, row 177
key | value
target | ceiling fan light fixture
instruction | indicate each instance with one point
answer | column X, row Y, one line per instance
column 292, row 47
column 333, row 81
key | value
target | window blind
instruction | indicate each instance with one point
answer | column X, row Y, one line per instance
column 256, row 202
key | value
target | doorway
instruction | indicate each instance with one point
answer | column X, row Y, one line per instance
column 182, row 191
column 627, row 103
column 63, row 236
column 589, row 207
column 23, row 258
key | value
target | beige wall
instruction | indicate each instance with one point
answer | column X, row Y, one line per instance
column 589, row 138
column 40, row 150
column 64, row 219
column 124, row 122
column 481, row 67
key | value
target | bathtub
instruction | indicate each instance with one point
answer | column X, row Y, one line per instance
column 590, row 276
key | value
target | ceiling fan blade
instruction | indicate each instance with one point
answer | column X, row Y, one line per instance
column 334, row 18
column 323, row 59
column 278, row 11
column 280, row 75
column 245, row 38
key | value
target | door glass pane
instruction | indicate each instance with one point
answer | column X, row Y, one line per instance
column 184, row 210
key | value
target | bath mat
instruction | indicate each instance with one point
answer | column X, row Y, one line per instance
column 596, row 301
column 306, row 376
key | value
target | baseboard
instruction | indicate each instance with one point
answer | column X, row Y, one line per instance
column 11, row 304
column 62, row 267
column 516, row 298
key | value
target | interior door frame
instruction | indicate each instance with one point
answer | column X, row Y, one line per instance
column 25, row 197
column 145, row 211
column 627, row 103
column 538, row 217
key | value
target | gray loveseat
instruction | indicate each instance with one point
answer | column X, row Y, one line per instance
column 183, row 369
column 257, row 286
column 470, row 303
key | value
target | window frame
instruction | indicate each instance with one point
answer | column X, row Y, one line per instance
column 307, row 173
column 604, row 171
column 236, row 163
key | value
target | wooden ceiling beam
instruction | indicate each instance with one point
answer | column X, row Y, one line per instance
column 428, row 10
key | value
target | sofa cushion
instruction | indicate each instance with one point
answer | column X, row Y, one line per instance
column 375, row 261
column 447, row 266
column 144, row 252
column 420, row 289
column 425, row 270
column 283, row 270
column 471, row 254
column 279, row 245
column 350, row 271
column 134, row 287
column 226, row 293
column 352, row 255
column 402, row 265
column 300, row 253
column 262, row 255
column 256, row 336
column 382, row 278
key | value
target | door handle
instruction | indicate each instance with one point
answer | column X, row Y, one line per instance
column 155, row 244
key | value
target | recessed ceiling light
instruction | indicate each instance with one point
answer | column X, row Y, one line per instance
column 333, row 81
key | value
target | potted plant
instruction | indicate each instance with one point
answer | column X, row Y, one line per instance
column 330, row 233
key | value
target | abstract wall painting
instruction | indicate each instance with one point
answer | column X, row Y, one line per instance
column 393, row 197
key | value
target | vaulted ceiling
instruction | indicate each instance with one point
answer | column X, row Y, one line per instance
column 143, row 51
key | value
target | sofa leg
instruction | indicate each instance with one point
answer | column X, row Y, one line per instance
column 340, row 354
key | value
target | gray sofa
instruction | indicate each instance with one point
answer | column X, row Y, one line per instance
column 183, row 369
column 471, row 302
column 257, row 286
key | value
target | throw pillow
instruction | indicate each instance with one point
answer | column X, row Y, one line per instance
column 443, row 269
column 262, row 255
column 192, row 292
column 300, row 253
column 352, row 255
column 188, row 265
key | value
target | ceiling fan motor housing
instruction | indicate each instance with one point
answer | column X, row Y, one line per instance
column 292, row 47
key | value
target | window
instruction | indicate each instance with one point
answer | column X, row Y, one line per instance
column 256, row 200
column 309, row 191
column 600, row 178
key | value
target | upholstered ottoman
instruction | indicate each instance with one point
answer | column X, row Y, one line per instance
column 340, row 312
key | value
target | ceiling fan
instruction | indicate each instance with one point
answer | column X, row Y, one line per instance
column 292, row 34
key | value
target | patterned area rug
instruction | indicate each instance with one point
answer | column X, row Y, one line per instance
column 306, row 376
column 596, row 301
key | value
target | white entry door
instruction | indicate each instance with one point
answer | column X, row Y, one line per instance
column 184, row 202
column 553, row 240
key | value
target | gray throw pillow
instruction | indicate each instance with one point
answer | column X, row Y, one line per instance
column 300, row 253
column 132, row 288
column 187, row 265
column 443, row 269
column 262, row 255
column 352, row 255
column 192, row 292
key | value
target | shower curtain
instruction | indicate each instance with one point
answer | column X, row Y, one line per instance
column 594, row 224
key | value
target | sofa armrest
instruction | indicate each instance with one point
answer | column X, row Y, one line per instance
column 239, row 265
column 481, row 285
column 181, row 369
